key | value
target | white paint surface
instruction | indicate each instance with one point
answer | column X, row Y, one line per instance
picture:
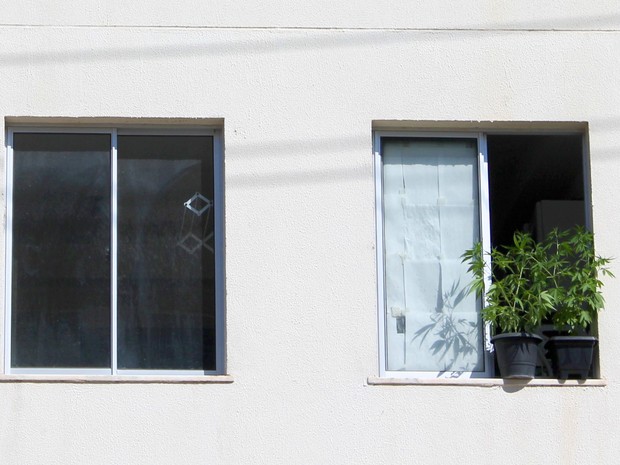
column 298, row 107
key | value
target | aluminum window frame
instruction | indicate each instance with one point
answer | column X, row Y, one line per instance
column 218, row 201
column 485, row 228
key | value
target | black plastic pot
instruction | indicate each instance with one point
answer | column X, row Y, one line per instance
column 571, row 356
column 517, row 354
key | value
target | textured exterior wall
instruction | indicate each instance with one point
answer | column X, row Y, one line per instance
column 298, row 89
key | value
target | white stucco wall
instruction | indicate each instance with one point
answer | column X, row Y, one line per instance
column 298, row 89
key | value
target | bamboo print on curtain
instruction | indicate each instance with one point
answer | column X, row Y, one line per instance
column 431, row 216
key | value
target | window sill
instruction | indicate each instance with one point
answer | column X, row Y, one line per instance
column 485, row 382
column 127, row 379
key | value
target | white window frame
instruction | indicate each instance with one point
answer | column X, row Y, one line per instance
column 218, row 173
column 483, row 200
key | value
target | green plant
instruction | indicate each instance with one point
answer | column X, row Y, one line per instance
column 532, row 282
column 579, row 296
column 518, row 297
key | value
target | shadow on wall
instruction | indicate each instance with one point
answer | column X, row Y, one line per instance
column 277, row 42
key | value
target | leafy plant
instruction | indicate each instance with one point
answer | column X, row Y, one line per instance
column 531, row 282
column 518, row 298
column 579, row 296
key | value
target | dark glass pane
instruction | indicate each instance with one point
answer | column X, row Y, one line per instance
column 166, row 261
column 61, row 248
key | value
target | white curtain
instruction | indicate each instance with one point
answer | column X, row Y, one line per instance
column 430, row 205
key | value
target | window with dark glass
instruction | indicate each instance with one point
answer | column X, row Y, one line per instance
column 113, row 252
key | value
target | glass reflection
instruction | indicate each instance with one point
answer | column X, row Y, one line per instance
column 166, row 261
column 61, row 251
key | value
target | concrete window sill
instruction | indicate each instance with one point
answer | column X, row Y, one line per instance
column 485, row 382
column 125, row 379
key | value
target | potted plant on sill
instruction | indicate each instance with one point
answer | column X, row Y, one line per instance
column 556, row 280
column 517, row 299
column 579, row 299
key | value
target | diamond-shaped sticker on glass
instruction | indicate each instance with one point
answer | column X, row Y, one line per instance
column 198, row 204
